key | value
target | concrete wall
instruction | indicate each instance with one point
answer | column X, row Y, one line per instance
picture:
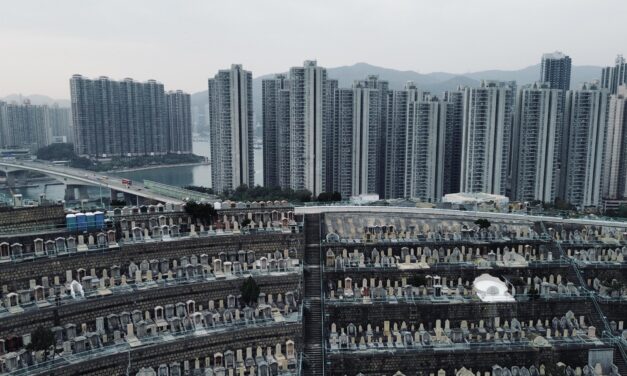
column 87, row 310
column 17, row 275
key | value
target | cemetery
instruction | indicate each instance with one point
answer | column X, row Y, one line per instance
column 355, row 292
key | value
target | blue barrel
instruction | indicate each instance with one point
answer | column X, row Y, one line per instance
column 99, row 219
column 91, row 221
column 70, row 221
column 81, row 222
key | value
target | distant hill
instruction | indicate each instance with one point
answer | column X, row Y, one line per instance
column 579, row 74
column 436, row 82
column 36, row 99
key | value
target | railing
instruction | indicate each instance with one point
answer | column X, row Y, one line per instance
column 122, row 242
column 66, row 360
column 132, row 287
column 607, row 334
column 178, row 192
column 559, row 263
column 509, row 345
column 465, row 240
column 424, row 299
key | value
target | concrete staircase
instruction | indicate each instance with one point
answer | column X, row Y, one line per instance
column 313, row 321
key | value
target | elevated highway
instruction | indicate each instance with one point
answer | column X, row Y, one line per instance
column 77, row 177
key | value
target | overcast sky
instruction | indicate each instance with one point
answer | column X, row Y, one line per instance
column 182, row 43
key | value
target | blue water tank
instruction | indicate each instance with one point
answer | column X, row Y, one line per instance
column 81, row 222
column 91, row 221
column 70, row 221
column 99, row 219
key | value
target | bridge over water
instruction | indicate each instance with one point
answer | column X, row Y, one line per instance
column 75, row 178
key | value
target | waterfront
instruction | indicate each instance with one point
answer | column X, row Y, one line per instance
column 174, row 175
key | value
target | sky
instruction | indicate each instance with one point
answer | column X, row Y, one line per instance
column 182, row 43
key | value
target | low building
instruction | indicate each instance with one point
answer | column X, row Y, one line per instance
column 476, row 201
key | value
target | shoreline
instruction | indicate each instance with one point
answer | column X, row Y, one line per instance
column 132, row 169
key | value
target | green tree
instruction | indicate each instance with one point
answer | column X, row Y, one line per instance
column 552, row 369
column 56, row 152
column 200, row 189
column 483, row 223
column 259, row 193
column 418, row 280
column 200, row 211
column 562, row 204
column 116, row 202
column 250, row 291
column 329, row 197
column 42, row 339
column 245, row 222
column 533, row 293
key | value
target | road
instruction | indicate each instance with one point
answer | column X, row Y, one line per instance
column 75, row 176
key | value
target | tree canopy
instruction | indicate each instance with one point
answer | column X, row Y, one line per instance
column 42, row 339
column 329, row 197
column 259, row 193
column 483, row 223
column 65, row 152
column 250, row 291
column 200, row 211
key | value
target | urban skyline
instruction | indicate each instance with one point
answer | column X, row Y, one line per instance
column 370, row 139
column 95, row 39
column 281, row 190
column 128, row 118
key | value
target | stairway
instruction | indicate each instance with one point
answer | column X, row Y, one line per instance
column 313, row 321
column 619, row 361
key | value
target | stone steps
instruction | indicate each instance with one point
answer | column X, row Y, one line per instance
column 314, row 355
column 619, row 361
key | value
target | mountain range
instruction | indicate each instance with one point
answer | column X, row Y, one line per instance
column 36, row 99
column 436, row 82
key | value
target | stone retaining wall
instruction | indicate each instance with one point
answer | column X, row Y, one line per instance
column 187, row 349
column 87, row 310
column 17, row 275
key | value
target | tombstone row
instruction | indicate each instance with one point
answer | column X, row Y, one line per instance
column 373, row 288
column 402, row 336
column 133, row 327
column 497, row 370
column 243, row 362
column 58, row 246
column 518, row 256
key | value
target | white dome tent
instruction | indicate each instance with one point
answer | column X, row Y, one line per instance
column 491, row 289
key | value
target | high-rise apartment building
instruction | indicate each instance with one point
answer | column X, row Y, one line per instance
column 299, row 132
column 453, row 140
column 382, row 86
column 398, row 102
column 366, row 139
column 615, row 164
column 585, row 130
column 555, row 70
column 613, row 77
column 272, row 121
column 488, row 115
column 357, row 138
column 344, row 124
column 3, row 124
column 24, row 125
column 178, row 106
column 123, row 118
column 59, row 123
column 424, row 150
column 536, row 142
column 311, row 119
column 231, row 113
